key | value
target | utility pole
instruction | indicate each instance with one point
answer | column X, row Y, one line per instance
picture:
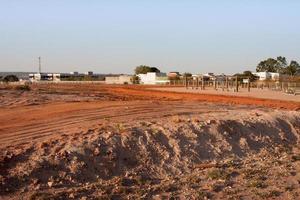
column 40, row 65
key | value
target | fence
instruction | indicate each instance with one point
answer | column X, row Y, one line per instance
column 234, row 84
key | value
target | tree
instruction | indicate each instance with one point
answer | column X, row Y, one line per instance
column 281, row 64
column 293, row 68
column 248, row 74
column 187, row 74
column 269, row 65
column 11, row 78
column 135, row 79
column 144, row 69
column 154, row 69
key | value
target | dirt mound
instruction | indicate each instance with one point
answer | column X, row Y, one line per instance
column 150, row 158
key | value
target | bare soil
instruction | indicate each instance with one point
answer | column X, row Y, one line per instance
column 128, row 142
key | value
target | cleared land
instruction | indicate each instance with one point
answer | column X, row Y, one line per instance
column 132, row 142
column 243, row 92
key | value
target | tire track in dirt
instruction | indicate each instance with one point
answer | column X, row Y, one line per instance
column 88, row 118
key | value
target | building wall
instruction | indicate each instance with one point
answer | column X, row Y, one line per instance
column 123, row 79
column 152, row 78
column 267, row 75
column 44, row 77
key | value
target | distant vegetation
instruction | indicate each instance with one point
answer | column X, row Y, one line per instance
column 84, row 78
column 10, row 78
column 135, row 79
column 247, row 75
column 279, row 65
column 144, row 69
column 187, row 74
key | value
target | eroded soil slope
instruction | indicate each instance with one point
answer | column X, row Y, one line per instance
column 250, row 154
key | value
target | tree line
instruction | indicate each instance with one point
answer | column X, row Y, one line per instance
column 279, row 65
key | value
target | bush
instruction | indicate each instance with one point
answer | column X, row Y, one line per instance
column 10, row 78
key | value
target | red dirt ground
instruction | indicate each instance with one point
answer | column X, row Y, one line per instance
column 35, row 116
column 143, row 92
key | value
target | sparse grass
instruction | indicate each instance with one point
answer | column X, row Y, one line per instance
column 176, row 119
column 268, row 194
column 155, row 130
column 257, row 184
column 41, row 196
column 252, row 173
column 120, row 127
column 216, row 174
column 295, row 158
column 203, row 195
column 289, row 188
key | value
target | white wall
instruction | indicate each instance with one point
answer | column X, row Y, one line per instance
column 267, row 75
column 151, row 78
column 118, row 79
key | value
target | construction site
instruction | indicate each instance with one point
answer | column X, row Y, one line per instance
column 91, row 141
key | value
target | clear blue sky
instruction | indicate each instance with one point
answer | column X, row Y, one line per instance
column 111, row 36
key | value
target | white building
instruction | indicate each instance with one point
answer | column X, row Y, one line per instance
column 267, row 75
column 44, row 77
column 122, row 79
column 152, row 78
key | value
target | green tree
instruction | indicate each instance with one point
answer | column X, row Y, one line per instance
column 144, row 69
column 248, row 74
column 281, row 64
column 293, row 68
column 11, row 78
column 187, row 74
column 269, row 65
column 135, row 79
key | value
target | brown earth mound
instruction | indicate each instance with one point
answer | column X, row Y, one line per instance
column 143, row 159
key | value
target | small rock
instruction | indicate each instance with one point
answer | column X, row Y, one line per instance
column 72, row 196
column 257, row 114
column 243, row 143
column 96, row 151
column 62, row 174
column 35, row 181
column 43, row 145
column 208, row 122
column 37, row 187
column 50, row 183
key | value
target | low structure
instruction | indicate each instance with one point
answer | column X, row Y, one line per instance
column 44, row 77
column 173, row 75
column 122, row 79
column 153, row 78
column 72, row 76
column 263, row 76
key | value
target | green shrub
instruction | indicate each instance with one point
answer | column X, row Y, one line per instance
column 10, row 78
